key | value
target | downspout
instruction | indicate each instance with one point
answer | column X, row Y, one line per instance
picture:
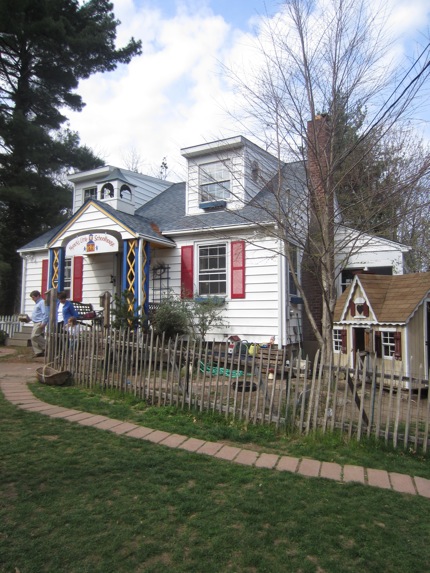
column 23, row 281
column 408, row 358
column 283, row 302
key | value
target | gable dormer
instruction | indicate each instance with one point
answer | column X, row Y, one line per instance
column 225, row 174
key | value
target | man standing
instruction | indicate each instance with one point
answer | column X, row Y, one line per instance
column 39, row 320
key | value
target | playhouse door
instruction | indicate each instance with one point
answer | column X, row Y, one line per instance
column 359, row 345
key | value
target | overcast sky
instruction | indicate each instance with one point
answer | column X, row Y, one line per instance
column 174, row 95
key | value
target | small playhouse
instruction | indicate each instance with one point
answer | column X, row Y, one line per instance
column 385, row 320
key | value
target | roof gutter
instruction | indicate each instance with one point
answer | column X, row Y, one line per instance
column 217, row 229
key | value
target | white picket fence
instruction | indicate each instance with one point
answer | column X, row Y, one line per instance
column 10, row 324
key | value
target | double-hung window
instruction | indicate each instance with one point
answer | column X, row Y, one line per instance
column 214, row 181
column 68, row 276
column 337, row 340
column 212, row 275
column 388, row 344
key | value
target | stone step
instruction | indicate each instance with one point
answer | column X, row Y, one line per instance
column 15, row 341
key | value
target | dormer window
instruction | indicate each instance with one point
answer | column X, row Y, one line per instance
column 125, row 192
column 90, row 193
column 214, row 181
column 107, row 191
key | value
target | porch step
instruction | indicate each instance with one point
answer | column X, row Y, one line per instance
column 20, row 338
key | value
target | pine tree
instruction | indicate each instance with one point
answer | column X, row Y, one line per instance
column 46, row 47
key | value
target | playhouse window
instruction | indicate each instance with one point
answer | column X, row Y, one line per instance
column 214, row 181
column 388, row 344
column 337, row 340
column 212, row 269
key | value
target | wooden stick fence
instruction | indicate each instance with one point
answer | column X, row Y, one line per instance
column 265, row 388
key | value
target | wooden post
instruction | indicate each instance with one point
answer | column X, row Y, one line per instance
column 51, row 303
column 105, row 303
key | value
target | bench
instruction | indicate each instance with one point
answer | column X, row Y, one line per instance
column 86, row 312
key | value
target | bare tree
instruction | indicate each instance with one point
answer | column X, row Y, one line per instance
column 320, row 59
column 133, row 160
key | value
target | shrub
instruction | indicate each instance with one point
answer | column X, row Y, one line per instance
column 3, row 336
column 176, row 316
column 124, row 312
column 171, row 317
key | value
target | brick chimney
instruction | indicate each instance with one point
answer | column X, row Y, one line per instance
column 322, row 210
column 318, row 151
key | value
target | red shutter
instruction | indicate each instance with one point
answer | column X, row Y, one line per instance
column 352, row 307
column 187, row 271
column 238, row 269
column 398, row 345
column 78, row 268
column 365, row 309
column 45, row 266
column 344, row 341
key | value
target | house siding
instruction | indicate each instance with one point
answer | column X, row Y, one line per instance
column 255, row 317
column 91, row 220
column 416, row 343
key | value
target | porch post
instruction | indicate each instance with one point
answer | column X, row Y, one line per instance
column 56, row 268
column 144, row 281
column 130, row 270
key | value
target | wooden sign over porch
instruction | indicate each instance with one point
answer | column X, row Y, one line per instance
column 92, row 244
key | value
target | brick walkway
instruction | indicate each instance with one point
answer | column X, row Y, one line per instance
column 14, row 379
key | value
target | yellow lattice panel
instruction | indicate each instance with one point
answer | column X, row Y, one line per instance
column 131, row 271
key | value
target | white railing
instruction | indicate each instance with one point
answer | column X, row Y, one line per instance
column 10, row 324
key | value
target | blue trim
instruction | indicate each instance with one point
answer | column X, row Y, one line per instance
column 218, row 300
column 146, row 281
column 136, row 278
column 124, row 265
column 50, row 268
column 61, row 264
column 206, row 205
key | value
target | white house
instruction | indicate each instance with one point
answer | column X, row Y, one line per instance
column 214, row 234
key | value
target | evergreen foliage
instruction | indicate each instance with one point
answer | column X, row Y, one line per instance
column 125, row 312
column 46, row 47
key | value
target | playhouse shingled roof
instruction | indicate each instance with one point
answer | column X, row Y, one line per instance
column 393, row 298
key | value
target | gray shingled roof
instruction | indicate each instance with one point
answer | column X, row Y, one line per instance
column 166, row 212
column 168, row 208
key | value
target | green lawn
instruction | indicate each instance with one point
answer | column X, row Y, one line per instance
column 329, row 447
column 75, row 499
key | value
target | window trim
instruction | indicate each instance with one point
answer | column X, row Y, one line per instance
column 222, row 191
column 391, row 345
column 87, row 196
column 219, row 270
column 337, row 339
